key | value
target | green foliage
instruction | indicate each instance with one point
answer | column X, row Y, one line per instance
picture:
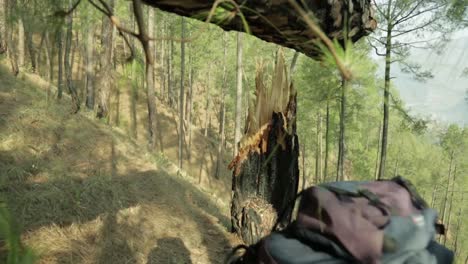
column 16, row 253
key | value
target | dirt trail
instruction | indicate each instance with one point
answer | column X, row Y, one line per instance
column 85, row 193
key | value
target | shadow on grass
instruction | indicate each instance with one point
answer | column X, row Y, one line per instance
column 71, row 201
column 64, row 171
column 170, row 250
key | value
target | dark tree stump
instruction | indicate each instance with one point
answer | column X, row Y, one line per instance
column 266, row 169
column 270, row 179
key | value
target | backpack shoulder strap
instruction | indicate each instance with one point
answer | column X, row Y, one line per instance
column 417, row 200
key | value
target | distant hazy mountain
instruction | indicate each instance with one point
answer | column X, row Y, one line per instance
column 443, row 97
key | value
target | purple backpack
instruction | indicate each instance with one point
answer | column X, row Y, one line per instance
column 355, row 222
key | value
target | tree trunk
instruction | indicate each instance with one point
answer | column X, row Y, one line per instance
column 162, row 72
column 304, row 175
column 149, row 74
column 10, row 47
column 52, row 47
column 395, row 170
column 190, row 103
column 386, row 115
column 105, row 84
column 278, row 22
column 3, row 35
column 434, row 192
column 31, row 50
column 449, row 211
column 327, row 141
column 237, row 135
column 49, row 64
column 133, row 103
column 340, row 176
column 181, row 94
column 220, row 159
column 134, row 81
column 376, row 174
column 318, row 155
column 68, row 66
column 170, row 74
column 21, row 48
column 74, row 47
column 38, row 58
column 90, row 68
column 457, row 232
column 444, row 205
column 266, row 168
column 59, row 63
column 292, row 68
column 207, row 100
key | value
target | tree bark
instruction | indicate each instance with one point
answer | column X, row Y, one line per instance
column 304, row 175
column 222, row 122
column 292, row 68
column 266, row 168
column 386, row 108
column 237, row 129
column 133, row 103
column 341, row 145
column 163, row 63
column 49, row 64
column 90, row 68
column 182, row 94
column 434, row 192
column 170, row 73
column 59, row 41
column 10, row 47
column 21, row 48
column 207, row 100
column 444, row 208
column 105, row 85
column 190, row 102
column 3, row 35
column 327, row 141
column 149, row 75
column 50, row 38
column 376, row 171
column 31, row 50
column 68, row 65
column 449, row 211
column 37, row 57
column 395, row 170
column 457, row 232
column 318, row 155
column 278, row 22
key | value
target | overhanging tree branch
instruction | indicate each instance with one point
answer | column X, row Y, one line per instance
column 108, row 12
column 279, row 23
column 404, row 19
column 63, row 13
column 417, row 28
column 380, row 10
column 376, row 39
column 376, row 49
column 410, row 12
column 324, row 38
column 402, row 9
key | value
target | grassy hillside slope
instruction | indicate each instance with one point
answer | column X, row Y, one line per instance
column 83, row 192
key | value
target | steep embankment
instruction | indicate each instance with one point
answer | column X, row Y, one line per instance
column 83, row 192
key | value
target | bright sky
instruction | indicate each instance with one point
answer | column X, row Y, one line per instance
column 443, row 97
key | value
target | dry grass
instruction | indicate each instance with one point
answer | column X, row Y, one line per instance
column 85, row 193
